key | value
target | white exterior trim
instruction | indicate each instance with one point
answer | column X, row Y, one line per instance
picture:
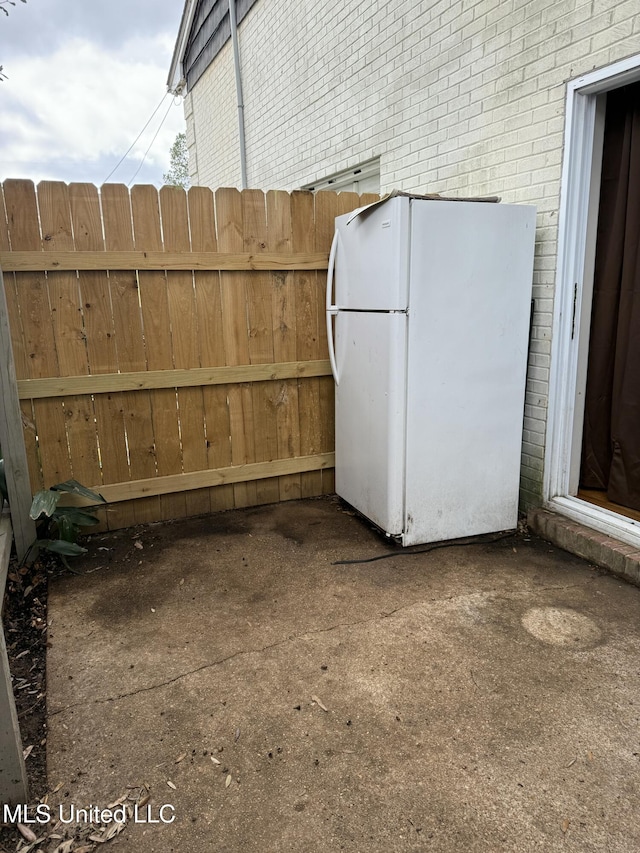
column 603, row 520
column 573, row 223
column 175, row 81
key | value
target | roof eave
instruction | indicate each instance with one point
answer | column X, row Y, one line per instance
column 176, row 84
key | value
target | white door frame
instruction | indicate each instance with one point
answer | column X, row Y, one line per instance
column 572, row 304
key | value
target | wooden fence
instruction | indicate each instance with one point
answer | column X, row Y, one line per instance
column 170, row 347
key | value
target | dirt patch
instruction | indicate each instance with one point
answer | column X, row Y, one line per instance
column 25, row 626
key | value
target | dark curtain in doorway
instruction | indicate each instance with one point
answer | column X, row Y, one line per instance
column 611, row 438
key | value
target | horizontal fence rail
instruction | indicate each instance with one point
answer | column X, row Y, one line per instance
column 67, row 261
column 103, row 383
column 170, row 346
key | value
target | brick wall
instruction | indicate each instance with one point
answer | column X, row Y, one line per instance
column 211, row 115
column 464, row 98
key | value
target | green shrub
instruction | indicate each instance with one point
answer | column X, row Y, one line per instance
column 60, row 526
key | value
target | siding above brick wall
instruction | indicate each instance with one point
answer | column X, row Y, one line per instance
column 210, row 31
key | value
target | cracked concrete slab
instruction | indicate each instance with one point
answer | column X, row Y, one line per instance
column 477, row 698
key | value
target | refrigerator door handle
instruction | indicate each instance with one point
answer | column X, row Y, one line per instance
column 332, row 310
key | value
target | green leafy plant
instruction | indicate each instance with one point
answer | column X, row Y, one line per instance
column 60, row 526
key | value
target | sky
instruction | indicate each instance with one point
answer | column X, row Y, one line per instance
column 83, row 78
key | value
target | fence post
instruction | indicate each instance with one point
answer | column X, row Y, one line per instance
column 13, row 776
column 12, row 439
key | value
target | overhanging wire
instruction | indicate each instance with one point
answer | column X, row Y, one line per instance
column 124, row 156
column 151, row 143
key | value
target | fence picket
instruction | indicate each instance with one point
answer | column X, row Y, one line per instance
column 235, row 337
column 182, row 315
column 86, row 219
column 145, row 210
column 260, row 323
column 283, row 296
column 307, row 335
column 38, row 339
column 20, row 357
column 328, row 206
column 125, row 302
column 209, row 309
column 68, row 331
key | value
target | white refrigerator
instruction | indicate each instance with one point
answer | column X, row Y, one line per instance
column 428, row 316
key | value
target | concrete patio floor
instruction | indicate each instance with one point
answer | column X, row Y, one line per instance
column 478, row 698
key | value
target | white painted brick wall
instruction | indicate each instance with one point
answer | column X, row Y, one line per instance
column 211, row 115
column 463, row 98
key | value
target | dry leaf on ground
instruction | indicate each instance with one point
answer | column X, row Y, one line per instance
column 26, row 832
column 65, row 847
column 315, row 699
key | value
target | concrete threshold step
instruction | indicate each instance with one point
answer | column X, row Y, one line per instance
column 621, row 559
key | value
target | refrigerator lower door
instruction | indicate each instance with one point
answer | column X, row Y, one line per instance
column 370, row 414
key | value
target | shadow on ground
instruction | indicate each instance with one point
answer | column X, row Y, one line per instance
column 478, row 698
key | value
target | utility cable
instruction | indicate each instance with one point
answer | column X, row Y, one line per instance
column 151, row 143
column 124, row 156
column 455, row 544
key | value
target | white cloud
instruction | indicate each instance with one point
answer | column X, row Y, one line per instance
column 40, row 26
column 82, row 106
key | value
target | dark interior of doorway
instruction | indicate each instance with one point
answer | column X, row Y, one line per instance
column 610, row 466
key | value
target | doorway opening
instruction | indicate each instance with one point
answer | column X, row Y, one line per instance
column 610, row 459
column 592, row 460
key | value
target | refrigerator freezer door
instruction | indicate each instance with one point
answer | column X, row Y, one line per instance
column 370, row 411
column 471, row 274
column 372, row 258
